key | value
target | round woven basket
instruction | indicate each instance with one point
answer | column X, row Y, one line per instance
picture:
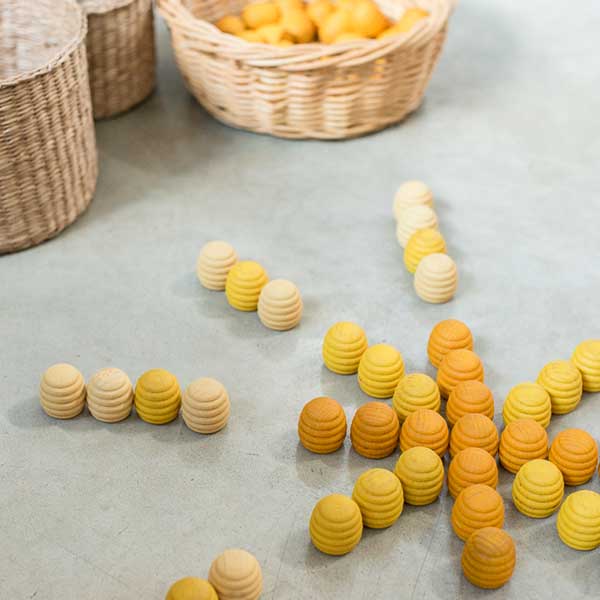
column 121, row 53
column 307, row 90
column 48, row 161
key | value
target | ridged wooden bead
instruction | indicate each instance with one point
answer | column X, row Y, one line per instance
column 527, row 401
column 562, row 380
column 427, row 428
column 474, row 431
column 322, row 425
column 378, row 493
column 488, row 558
column 436, row 278
column 415, row 391
column 578, row 522
column 411, row 194
column 477, row 506
column 205, row 405
column 374, row 430
column 214, row 263
column 280, row 305
column 336, row 525
column 448, row 335
column 521, row 441
column 575, row 453
column 538, row 489
column 421, row 473
column 469, row 397
column 469, row 467
column 380, row 370
column 456, row 367
column 236, row 574
column 422, row 243
column 412, row 219
column 157, row 397
column 587, row 359
column 245, row 281
column 62, row 391
column 110, row 395
column 191, row 588
column 343, row 347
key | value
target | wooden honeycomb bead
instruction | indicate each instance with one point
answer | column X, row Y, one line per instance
column 374, row 430
column 578, row 522
column 343, row 347
column 415, row 391
column 575, row 453
column 236, row 574
column 538, row 489
column 562, row 380
column 191, row 588
column 474, row 431
column 411, row 194
column 426, row 428
column 110, row 395
column 521, row 441
column 477, row 506
column 412, row 219
column 205, row 405
column 214, row 263
column 422, row 243
column 436, row 278
column 527, row 401
column 456, row 367
column 62, row 391
column 469, row 397
column 157, row 397
column 469, row 467
column 322, row 425
column 587, row 359
column 378, row 493
column 336, row 525
column 380, row 370
column 245, row 281
column 280, row 305
column 448, row 335
column 421, row 473
column 488, row 558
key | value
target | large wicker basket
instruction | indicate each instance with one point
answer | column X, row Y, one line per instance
column 307, row 90
column 48, row 162
column 121, row 53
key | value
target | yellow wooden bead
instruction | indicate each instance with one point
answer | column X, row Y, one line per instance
column 471, row 466
column 477, row 506
column 336, row 525
column 527, row 401
column 322, row 425
column 421, row 473
column 474, row 431
column 374, row 430
column 538, row 489
column 378, row 493
column 110, row 395
column 469, row 397
column 521, row 441
column 319, row 10
column 62, row 391
column 287, row 5
column 236, row 574
column 343, row 347
column 367, row 19
column 448, row 335
column 157, row 397
column 250, row 36
column 562, row 380
column 245, row 281
column 380, row 370
column 422, row 243
column 273, row 33
column 575, row 453
column 587, row 359
column 348, row 36
column 334, row 24
column 415, row 391
column 298, row 24
column 256, row 15
column 231, row 24
column 191, row 588
column 578, row 522
column 457, row 366
column 426, row 428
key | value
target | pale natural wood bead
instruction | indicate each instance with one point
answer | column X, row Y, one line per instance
column 412, row 219
column 436, row 278
column 236, row 575
column 280, row 305
column 411, row 194
column 62, row 391
column 214, row 263
column 205, row 405
column 110, row 395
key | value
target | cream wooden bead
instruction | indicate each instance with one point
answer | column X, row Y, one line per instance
column 280, row 305
column 412, row 219
column 62, row 391
column 205, row 405
column 236, row 575
column 436, row 278
column 110, row 395
column 410, row 194
column 214, row 262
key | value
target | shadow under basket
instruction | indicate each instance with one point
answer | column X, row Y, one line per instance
column 48, row 160
column 307, row 90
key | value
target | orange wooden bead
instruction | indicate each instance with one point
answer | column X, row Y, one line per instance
column 575, row 453
column 458, row 366
column 445, row 336
column 521, row 441
column 469, row 397
column 469, row 467
column 426, row 428
column 374, row 430
column 322, row 425
column 474, row 431
column 476, row 507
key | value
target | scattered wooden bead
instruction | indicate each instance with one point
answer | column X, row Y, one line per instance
column 245, row 281
column 380, row 370
column 62, row 391
column 527, row 401
column 469, row 397
column 426, row 428
column 474, row 431
column 191, row 588
column 217, row 257
column 336, row 525
column 477, row 506
column 578, row 522
column 412, row 219
column 421, row 473
column 374, row 430
column 110, row 395
column 562, row 380
column 343, row 347
column 586, row 358
column 280, row 305
column 378, row 493
column 157, row 397
column 236, row 574
column 538, row 489
column 422, row 243
column 458, row 366
column 575, row 453
column 436, row 278
column 448, row 335
column 322, row 425
column 415, row 391
column 469, row 467
column 411, row 194
column 205, row 405
column 521, row 441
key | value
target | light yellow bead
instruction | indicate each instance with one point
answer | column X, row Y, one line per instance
column 421, row 473
column 215, row 260
column 538, row 489
column 412, row 219
column 110, row 395
column 157, row 397
column 336, row 525
column 410, row 194
column 62, row 391
column 436, row 278
column 205, row 405
column 578, row 522
column 245, row 281
column 422, row 243
column 343, row 347
column 527, row 401
column 587, row 359
column 378, row 493
column 562, row 380
column 236, row 574
column 191, row 588
column 413, row 392
column 280, row 305
column 380, row 370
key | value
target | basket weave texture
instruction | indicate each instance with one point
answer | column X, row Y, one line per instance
column 307, row 90
column 121, row 53
column 48, row 160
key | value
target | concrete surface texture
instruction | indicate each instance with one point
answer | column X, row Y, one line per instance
column 509, row 140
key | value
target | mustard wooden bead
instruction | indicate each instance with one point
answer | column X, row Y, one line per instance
column 280, row 305
column 343, row 347
column 378, row 493
column 191, row 588
column 527, row 401
column 586, row 358
column 575, row 453
column 322, row 425
column 521, row 441
column 245, row 281
column 538, row 489
column 448, row 335
column 411, row 194
column 205, row 405
column 426, row 428
column 236, row 574
column 469, row 397
column 336, row 525
column 421, row 473
column 412, row 219
column 469, row 467
column 157, row 397
column 474, row 431
column 413, row 392
column 110, row 395
column 217, row 257
column 456, row 367
column 578, row 522
column 380, row 369
column 62, row 391
column 422, row 243
column 477, row 506
column 562, row 380
column 374, row 430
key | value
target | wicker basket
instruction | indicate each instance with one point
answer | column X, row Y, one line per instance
column 48, row 161
column 307, row 90
column 121, row 53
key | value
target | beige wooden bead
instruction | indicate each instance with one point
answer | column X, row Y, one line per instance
column 436, row 278
column 214, row 262
column 110, row 395
column 412, row 219
column 62, row 391
column 280, row 305
column 236, row 575
column 410, row 194
column 205, row 405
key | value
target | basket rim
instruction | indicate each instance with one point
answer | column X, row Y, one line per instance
column 62, row 55
column 102, row 7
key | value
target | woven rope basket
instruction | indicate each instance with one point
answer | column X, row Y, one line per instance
column 121, row 53
column 308, row 90
column 48, row 162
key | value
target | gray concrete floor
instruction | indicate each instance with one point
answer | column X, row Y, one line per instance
column 509, row 140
